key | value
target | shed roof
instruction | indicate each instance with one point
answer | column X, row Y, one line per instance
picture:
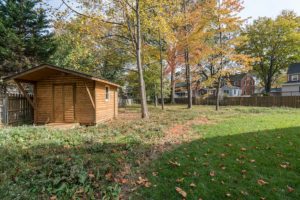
column 42, row 71
column 294, row 68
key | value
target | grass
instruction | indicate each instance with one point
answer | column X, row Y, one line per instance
column 237, row 153
column 248, row 153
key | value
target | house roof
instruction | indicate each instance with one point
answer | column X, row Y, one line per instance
column 230, row 87
column 180, row 84
column 294, row 68
column 42, row 71
column 237, row 77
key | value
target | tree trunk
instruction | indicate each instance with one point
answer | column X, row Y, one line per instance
column 155, row 100
column 268, row 84
column 172, row 96
column 155, row 96
column 218, row 94
column 188, row 79
column 187, row 63
column 144, row 107
column 161, row 75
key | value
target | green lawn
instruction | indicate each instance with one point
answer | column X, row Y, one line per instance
column 237, row 153
column 248, row 153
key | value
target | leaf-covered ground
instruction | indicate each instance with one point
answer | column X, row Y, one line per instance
column 237, row 153
column 248, row 153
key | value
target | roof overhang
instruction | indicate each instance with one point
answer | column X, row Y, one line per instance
column 289, row 84
column 43, row 71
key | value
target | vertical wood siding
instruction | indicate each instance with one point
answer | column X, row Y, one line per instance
column 106, row 109
column 84, row 111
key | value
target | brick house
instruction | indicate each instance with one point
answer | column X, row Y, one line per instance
column 245, row 82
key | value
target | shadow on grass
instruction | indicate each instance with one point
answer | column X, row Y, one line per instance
column 254, row 165
column 86, row 171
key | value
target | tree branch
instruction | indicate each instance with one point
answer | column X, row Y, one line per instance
column 88, row 16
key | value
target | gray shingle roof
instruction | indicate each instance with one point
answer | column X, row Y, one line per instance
column 294, row 68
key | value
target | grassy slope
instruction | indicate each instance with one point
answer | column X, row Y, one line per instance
column 243, row 146
column 40, row 163
column 37, row 163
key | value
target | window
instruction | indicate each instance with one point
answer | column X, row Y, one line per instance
column 106, row 93
column 234, row 92
column 294, row 77
column 226, row 91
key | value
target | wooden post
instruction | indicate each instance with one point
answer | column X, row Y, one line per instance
column 5, row 110
column 25, row 93
column 89, row 93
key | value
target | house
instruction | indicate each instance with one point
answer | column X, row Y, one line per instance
column 181, row 89
column 239, row 85
column 292, row 86
column 66, row 96
column 230, row 91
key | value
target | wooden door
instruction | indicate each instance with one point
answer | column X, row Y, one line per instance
column 64, row 103
column 69, row 108
column 58, row 103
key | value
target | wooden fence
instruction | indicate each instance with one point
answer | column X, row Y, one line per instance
column 14, row 110
column 267, row 101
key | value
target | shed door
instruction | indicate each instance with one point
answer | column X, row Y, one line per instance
column 58, row 103
column 69, row 107
column 63, row 103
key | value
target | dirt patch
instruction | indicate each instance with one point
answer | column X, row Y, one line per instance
column 173, row 137
column 182, row 132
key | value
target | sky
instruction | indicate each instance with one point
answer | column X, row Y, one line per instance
column 253, row 8
column 269, row 8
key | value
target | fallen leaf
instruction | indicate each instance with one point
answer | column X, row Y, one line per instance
column 212, row 173
column 91, row 175
column 108, row 176
column 176, row 164
column 193, row 185
column 243, row 149
column 290, row 189
column 222, row 155
column 283, row 166
column 53, row 198
column 179, row 180
column 144, row 182
column 181, row 192
column 252, row 161
column 261, row 182
column 154, row 173
column 228, row 195
column 244, row 193
column 244, row 171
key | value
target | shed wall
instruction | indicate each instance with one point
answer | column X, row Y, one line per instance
column 105, row 109
column 84, row 111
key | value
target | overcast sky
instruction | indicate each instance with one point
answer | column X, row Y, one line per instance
column 253, row 8
column 269, row 8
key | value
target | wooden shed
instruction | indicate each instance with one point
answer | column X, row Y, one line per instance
column 66, row 96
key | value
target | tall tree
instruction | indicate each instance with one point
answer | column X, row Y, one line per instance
column 192, row 35
column 225, row 28
column 274, row 43
column 128, row 20
column 25, row 37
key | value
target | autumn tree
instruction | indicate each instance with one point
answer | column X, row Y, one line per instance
column 274, row 43
column 194, row 20
column 224, row 59
column 127, row 21
column 79, row 49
